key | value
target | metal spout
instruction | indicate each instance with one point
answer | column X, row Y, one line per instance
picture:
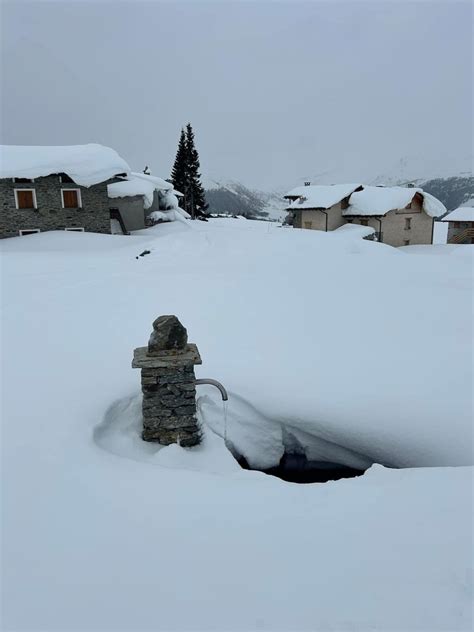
column 215, row 383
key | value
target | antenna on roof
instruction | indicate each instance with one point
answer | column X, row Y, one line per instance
column 146, row 171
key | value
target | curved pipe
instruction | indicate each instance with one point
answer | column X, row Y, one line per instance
column 215, row 383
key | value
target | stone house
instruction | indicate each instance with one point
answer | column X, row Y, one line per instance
column 56, row 188
column 135, row 198
column 460, row 225
column 399, row 216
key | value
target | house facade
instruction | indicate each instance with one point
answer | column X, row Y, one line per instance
column 399, row 216
column 460, row 225
column 56, row 188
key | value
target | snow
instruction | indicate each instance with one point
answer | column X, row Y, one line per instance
column 380, row 200
column 162, row 216
column 85, row 164
column 140, row 184
column 131, row 187
column 325, row 341
column 320, row 196
column 355, row 229
column 159, row 183
column 169, row 200
column 461, row 214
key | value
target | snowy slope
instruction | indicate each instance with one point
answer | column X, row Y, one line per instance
column 235, row 198
column 102, row 532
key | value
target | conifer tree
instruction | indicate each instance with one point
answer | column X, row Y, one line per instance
column 196, row 193
column 179, row 173
column 185, row 174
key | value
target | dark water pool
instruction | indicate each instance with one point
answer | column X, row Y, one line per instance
column 295, row 468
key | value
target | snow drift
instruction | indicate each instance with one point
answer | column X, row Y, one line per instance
column 350, row 350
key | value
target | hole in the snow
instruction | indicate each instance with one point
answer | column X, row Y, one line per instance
column 295, row 468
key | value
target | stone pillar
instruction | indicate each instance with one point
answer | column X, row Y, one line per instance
column 169, row 392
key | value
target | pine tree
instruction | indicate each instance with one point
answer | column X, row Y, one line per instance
column 179, row 173
column 197, row 201
column 185, row 174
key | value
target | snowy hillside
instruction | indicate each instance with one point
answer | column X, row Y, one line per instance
column 235, row 198
column 344, row 350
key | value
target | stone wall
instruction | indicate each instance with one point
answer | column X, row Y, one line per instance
column 169, row 406
column 93, row 216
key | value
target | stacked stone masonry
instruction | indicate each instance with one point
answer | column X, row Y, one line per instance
column 93, row 215
column 169, row 406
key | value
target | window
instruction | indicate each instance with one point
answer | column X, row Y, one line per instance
column 28, row 231
column 22, row 180
column 364, row 222
column 71, row 198
column 63, row 177
column 25, row 198
column 308, row 224
column 407, row 223
column 406, row 242
column 76, row 230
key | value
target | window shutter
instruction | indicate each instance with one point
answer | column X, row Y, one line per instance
column 25, row 199
column 70, row 199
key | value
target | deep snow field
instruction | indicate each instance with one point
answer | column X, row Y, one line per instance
column 348, row 351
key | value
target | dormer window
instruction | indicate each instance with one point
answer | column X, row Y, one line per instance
column 64, row 178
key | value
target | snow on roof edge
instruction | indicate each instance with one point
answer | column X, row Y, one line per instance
column 86, row 165
column 460, row 214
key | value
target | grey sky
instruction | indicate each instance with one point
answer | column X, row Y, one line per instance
column 276, row 91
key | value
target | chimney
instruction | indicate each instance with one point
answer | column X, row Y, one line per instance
column 307, row 183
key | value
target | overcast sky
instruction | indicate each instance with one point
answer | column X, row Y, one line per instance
column 276, row 91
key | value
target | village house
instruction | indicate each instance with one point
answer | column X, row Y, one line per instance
column 57, row 188
column 320, row 207
column 398, row 216
column 460, row 225
column 138, row 200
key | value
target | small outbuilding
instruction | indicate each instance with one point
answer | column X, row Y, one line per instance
column 138, row 199
column 460, row 225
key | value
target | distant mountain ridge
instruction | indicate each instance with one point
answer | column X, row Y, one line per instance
column 236, row 199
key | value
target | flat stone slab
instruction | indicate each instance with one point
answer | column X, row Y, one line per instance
column 166, row 359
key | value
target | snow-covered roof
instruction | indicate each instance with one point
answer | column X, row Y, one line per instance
column 374, row 200
column 158, row 183
column 85, row 164
column 320, row 196
column 139, row 184
column 131, row 187
column 461, row 214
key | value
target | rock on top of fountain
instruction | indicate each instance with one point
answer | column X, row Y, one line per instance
column 168, row 335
